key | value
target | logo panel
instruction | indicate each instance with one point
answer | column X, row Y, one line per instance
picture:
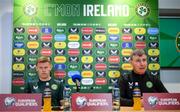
column 140, row 31
column 127, row 66
column 87, row 74
column 60, row 37
column 100, row 38
column 100, row 67
column 87, row 45
column 87, row 59
column 46, row 52
column 126, row 52
column 60, row 59
column 73, row 45
column 73, row 37
column 87, row 30
column 33, row 45
column 18, row 67
column 113, row 30
column 100, row 81
column 73, row 52
column 18, row 52
column 114, row 74
column 60, row 45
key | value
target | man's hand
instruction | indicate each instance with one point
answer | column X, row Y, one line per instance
column 116, row 105
column 64, row 104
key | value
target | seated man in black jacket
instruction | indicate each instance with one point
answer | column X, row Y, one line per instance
column 43, row 68
column 147, row 83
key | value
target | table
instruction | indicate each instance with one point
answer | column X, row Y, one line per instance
column 130, row 109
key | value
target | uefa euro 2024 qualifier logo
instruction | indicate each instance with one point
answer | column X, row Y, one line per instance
column 9, row 101
column 142, row 10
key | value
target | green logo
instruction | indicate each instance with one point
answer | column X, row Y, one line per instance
column 54, row 86
column 149, row 84
column 142, row 10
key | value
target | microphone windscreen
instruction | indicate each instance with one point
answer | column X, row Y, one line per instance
column 76, row 77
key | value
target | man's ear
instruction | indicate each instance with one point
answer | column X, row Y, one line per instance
column 36, row 68
column 50, row 66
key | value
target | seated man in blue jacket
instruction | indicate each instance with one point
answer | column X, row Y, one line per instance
column 147, row 83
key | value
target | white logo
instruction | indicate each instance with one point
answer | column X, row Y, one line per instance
column 9, row 101
column 30, row 9
column 73, row 45
column 152, row 100
column 81, row 101
column 87, row 81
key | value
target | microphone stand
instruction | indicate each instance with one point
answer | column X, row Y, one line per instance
column 78, row 86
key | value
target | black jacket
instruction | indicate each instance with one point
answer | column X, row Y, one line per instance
column 147, row 84
column 38, row 86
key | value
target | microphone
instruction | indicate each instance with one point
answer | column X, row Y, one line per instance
column 77, row 80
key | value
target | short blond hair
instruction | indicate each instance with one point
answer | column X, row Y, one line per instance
column 137, row 52
column 43, row 59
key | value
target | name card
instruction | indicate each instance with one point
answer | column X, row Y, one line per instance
column 161, row 101
column 92, row 102
column 20, row 102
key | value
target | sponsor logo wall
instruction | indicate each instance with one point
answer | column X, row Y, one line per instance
column 93, row 39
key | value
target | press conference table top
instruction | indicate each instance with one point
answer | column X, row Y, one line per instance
column 130, row 109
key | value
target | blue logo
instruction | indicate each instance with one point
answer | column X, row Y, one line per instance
column 127, row 45
column 114, row 37
column 71, row 73
column 46, row 30
column 153, row 31
column 59, row 66
column 60, row 37
column 18, row 45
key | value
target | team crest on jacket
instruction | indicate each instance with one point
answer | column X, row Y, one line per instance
column 149, row 84
column 54, row 86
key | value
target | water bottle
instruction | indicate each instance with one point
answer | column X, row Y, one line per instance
column 67, row 98
column 116, row 97
column 47, row 98
column 136, row 97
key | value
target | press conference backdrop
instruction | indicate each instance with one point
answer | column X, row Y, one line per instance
column 170, row 42
column 93, row 39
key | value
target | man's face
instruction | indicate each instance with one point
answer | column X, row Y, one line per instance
column 139, row 64
column 43, row 70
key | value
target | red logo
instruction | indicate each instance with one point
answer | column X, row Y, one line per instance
column 127, row 37
column 18, row 81
column 33, row 30
column 46, row 52
column 73, row 52
column 100, row 81
column 114, row 59
column 87, row 45
column 87, row 30
column 46, row 38
column 59, row 74
column 100, row 67
column 140, row 45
